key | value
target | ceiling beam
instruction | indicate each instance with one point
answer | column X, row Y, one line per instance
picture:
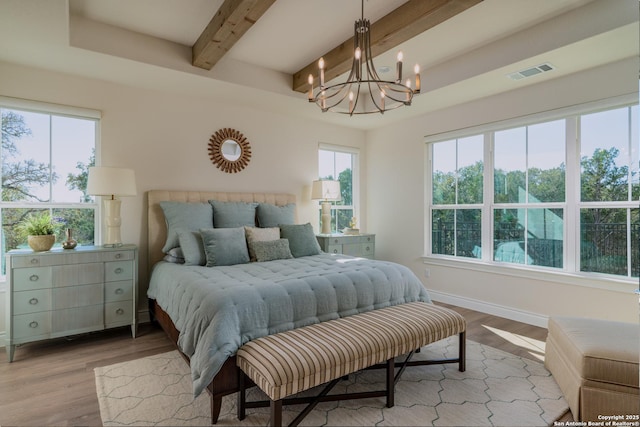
column 407, row 21
column 231, row 21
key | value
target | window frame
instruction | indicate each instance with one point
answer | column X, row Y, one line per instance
column 355, row 179
column 570, row 273
column 59, row 111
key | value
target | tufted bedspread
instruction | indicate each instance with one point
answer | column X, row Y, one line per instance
column 218, row 309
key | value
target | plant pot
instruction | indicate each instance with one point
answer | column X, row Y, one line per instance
column 41, row 243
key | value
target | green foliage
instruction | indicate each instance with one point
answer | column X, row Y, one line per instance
column 79, row 181
column 37, row 224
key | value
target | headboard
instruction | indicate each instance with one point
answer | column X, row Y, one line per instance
column 157, row 228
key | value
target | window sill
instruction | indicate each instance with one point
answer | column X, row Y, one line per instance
column 591, row 280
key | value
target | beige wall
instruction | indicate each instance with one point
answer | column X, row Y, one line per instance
column 164, row 137
column 396, row 159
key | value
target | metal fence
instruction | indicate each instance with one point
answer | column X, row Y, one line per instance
column 603, row 246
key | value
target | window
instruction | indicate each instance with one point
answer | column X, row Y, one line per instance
column 560, row 193
column 341, row 164
column 45, row 155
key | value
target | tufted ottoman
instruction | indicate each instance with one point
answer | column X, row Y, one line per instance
column 595, row 363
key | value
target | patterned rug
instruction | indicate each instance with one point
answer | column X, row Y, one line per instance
column 497, row 389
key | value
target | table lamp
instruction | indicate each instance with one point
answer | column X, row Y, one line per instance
column 111, row 182
column 326, row 190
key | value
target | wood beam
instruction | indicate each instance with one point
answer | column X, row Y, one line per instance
column 407, row 21
column 230, row 22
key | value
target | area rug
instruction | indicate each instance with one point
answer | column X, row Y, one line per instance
column 497, row 389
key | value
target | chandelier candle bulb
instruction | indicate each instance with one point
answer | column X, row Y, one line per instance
column 321, row 66
column 310, row 88
column 382, row 101
column 417, row 71
column 399, row 68
column 358, row 55
column 408, row 84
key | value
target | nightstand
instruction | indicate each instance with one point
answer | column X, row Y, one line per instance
column 360, row 245
column 66, row 292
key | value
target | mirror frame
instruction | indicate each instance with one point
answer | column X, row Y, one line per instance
column 215, row 150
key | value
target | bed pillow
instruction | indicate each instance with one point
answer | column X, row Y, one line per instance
column 302, row 239
column 233, row 214
column 224, row 246
column 272, row 216
column 184, row 216
column 255, row 234
column 192, row 247
column 270, row 250
column 175, row 256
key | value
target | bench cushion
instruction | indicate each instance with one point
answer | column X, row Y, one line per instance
column 290, row 362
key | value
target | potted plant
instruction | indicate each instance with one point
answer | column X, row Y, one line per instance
column 40, row 230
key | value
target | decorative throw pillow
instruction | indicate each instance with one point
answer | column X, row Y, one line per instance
column 271, row 250
column 224, row 246
column 175, row 256
column 233, row 214
column 192, row 247
column 184, row 216
column 272, row 216
column 255, row 234
column 302, row 239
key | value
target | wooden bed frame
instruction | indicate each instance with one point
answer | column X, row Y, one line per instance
column 226, row 381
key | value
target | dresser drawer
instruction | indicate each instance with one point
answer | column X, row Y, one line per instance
column 25, row 279
column 31, row 301
column 75, row 320
column 31, row 325
column 118, row 256
column 334, row 249
column 118, row 313
column 77, row 274
column 118, row 291
column 77, row 296
column 118, row 270
column 26, row 261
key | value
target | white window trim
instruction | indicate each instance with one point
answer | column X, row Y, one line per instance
column 568, row 273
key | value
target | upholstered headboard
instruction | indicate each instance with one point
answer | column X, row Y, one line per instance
column 157, row 228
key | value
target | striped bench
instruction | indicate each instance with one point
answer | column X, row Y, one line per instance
column 290, row 362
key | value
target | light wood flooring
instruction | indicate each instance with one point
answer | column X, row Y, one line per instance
column 52, row 383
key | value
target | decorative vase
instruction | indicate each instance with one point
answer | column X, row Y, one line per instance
column 70, row 243
column 41, row 243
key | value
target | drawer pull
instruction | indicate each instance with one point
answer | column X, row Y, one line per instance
column 33, row 324
column 34, row 277
column 335, row 251
column 118, row 270
column 34, row 261
column 33, row 301
column 368, row 249
column 336, row 241
column 368, row 239
column 119, row 291
column 118, row 256
column 119, row 311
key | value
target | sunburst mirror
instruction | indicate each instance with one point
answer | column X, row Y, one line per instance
column 229, row 150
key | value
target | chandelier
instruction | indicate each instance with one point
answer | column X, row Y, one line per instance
column 364, row 92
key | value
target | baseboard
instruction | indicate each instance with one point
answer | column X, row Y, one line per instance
column 143, row 316
column 490, row 308
column 2, row 337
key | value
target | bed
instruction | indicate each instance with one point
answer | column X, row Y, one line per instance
column 211, row 310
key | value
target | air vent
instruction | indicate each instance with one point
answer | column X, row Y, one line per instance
column 530, row 72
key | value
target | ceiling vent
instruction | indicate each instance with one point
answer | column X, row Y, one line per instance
column 530, row 72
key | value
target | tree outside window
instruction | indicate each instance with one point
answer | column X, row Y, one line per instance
column 45, row 159
column 339, row 165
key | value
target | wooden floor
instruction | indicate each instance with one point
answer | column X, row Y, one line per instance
column 52, row 383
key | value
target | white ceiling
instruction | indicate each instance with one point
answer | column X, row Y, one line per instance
column 146, row 43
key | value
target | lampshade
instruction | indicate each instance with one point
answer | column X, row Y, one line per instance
column 325, row 190
column 107, row 181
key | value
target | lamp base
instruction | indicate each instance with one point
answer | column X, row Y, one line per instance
column 326, row 218
column 113, row 222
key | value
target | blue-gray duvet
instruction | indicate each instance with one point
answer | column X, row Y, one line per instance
column 218, row 309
